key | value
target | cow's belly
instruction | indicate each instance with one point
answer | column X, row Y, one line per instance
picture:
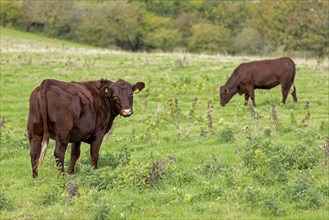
column 79, row 135
column 83, row 129
column 266, row 85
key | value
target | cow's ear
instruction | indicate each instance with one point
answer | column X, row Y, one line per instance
column 227, row 91
column 106, row 90
column 138, row 87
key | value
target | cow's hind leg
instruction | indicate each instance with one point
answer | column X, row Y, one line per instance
column 59, row 153
column 35, row 149
column 293, row 92
column 285, row 90
column 75, row 154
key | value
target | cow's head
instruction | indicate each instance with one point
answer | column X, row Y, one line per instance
column 226, row 94
column 120, row 94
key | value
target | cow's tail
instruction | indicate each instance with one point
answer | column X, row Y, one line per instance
column 292, row 87
column 43, row 111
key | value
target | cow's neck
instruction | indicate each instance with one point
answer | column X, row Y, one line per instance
column 110, row 114
column 232, row 84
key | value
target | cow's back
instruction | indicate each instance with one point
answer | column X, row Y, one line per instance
column 70, row 107
column 267, row 73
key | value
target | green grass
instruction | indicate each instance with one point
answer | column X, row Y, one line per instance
column 272, row 169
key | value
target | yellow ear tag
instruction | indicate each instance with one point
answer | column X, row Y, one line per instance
column 106, row 90
column 136, row 90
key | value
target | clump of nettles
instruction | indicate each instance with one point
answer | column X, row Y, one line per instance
column 274, row 117
column 181, row 61
column 192, row 111
column 2, row 122
column 292, row 117
column 308, row 114
column 209, row 117
column 158, row 169
column 72, row 190
column 254, row 115
column 326, row 152
column 174, row 111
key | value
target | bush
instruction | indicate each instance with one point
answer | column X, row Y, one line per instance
column 5, row 202
column 164, row 39
column 269, row 163
column 51, row 196
column 227, row 135
column 303, row 195
column 208, row 38
column 248, row 41
column 268, row 203
column 10, row 13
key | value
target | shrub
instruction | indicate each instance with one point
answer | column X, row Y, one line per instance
column 303, row 195
column 303, row 156
column 248, row 41
column 50, row 197
column 268, row 203
column 209, row 38
column 5, row 202
column 10, row 13
column 227, row 135
column 269, row 163
column 163, row 38
column 101, row 211
column 271, row 205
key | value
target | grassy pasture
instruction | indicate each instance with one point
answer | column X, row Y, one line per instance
column 177, row 157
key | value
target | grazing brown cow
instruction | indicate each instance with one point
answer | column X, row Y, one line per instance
column 264, row 74
column 73, row 113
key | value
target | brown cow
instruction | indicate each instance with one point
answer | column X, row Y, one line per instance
column 73, row 113
column 264, row 74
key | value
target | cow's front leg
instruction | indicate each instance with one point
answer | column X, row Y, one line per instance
column 94, row 149
column 251, row 94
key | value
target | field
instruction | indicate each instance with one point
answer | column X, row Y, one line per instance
column 181, row 155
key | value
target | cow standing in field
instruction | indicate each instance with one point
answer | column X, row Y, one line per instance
column 73, row 113
column 264, row 74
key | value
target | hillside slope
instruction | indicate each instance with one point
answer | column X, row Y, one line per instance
column 181, row 155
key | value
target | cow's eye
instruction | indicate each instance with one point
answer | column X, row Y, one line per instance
column 115, row 97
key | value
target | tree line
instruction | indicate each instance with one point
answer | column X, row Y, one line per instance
column 255, row 27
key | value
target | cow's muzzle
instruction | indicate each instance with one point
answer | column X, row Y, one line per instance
column 126, row 112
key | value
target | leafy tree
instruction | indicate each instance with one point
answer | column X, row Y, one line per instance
column 209, row 38
column 163, row 38
column 10, row 12
column 184, row 23
column 307, row 28
column 248, row 41
column 203, row 26
column 168, row 8
column 110, row 24
column 269, row 18
column 232, row 15
column 159, row 33
column 53, row 15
